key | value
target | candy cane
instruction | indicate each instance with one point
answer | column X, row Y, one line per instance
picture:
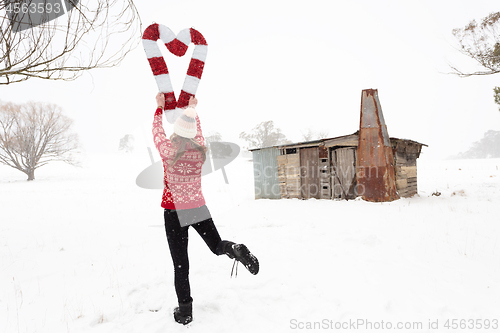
column 177, row 45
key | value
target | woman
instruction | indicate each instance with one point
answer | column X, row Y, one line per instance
column 183, row 156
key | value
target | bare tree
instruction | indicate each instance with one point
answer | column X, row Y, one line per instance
column 34, row 134
column 308, row 136
column 264, row 135
column 127, row 143
column 213, row 137
column 58, row 40
column 314, row 135
column 322, row 134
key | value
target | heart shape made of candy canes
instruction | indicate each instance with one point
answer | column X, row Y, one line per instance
column 178, row 46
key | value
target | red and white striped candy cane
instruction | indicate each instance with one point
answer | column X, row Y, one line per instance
column 177, row 45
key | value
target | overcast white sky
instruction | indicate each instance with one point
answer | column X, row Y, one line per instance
column 301, row 64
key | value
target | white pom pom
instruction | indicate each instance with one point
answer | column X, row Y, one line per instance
column 190, row 112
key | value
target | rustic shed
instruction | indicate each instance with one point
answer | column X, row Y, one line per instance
column 326, row 168
column 367, row 163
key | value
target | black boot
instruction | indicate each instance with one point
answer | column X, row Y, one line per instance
column 183, row 314
column 241, row 253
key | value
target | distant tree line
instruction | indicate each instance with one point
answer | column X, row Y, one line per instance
column 487, row 147
column 267, row 134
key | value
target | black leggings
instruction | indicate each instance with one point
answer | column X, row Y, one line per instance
column 177, row 237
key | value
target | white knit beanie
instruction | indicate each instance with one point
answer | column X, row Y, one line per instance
column 185, row 125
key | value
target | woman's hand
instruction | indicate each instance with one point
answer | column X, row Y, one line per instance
column 193, row 102
column 160, row 100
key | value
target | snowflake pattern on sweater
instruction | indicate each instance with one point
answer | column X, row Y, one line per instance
column 183, row 180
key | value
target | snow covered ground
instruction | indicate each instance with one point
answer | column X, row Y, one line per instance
column 84, row 250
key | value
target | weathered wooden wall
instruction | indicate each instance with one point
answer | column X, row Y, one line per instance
column 309, row 173
column 405, row 162
column 343, row 173
column 289, row 176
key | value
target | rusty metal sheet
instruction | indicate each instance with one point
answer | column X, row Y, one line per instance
column 375, row 161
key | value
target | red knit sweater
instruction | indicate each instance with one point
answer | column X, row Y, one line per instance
column 182, row 182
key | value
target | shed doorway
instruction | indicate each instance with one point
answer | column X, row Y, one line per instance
column 309, row 173
column 343, row 173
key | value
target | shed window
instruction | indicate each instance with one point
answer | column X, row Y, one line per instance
column 290, row 151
